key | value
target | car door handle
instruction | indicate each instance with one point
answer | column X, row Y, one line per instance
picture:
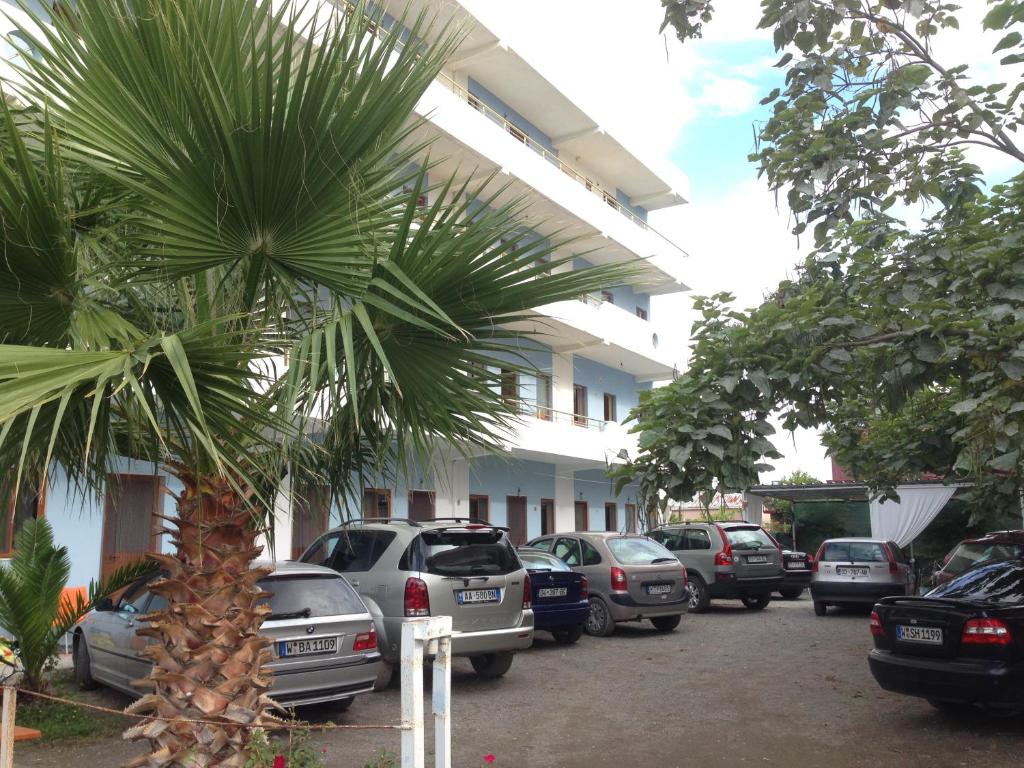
column 130, row 623
column 354, row 583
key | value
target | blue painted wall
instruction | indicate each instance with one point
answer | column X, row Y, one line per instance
column 497, row 478
column 593, row 487
column 623, row 296
column 624, row 200
column 599, row 379
column 503, row 109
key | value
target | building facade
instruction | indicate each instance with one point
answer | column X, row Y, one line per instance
column 490, row 111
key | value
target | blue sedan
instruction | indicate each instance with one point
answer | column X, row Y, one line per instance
column 561, row 599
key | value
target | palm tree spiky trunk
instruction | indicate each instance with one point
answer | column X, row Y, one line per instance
column 208, row 656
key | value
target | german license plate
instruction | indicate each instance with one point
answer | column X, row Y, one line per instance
column 553, row 592
column 312, row 647
column 840, row 571
column 659, row 589
column 757, row 558
column 464, row 596
column 928, row 635
column 794, row 565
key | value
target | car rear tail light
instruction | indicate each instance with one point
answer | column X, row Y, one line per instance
column 876, row 625
column 584, row 588
column 365, row 641
column 527, row 592
column 417, row 599
column 986, row 632
column 817, row 557
column 725, row 556
column 686, row 578
column 619, row 583
column 893, row 568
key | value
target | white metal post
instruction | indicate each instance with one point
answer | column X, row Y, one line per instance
column 432, row 635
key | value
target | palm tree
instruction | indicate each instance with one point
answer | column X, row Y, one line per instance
column 208, row 263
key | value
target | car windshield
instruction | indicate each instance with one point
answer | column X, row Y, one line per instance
column 309, row 595
column 748, row 538
column 639, row 550
column 539, row 561
column 1001, row 583
column 467, row 553
column 854, row 552
column 974, row 553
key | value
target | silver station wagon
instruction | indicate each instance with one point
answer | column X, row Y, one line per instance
column 324, row 640
column 455, row 567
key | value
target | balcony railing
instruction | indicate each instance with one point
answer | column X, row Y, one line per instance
column 544, row 413
column 521, row 136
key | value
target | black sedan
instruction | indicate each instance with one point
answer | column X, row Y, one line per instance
column 960, row 645
column 796, row 574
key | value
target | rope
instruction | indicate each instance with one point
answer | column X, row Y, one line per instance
column 220, row 724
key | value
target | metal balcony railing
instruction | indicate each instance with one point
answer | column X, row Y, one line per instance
column 544, row 413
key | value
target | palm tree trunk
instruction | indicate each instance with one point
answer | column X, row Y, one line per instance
column 208, row 656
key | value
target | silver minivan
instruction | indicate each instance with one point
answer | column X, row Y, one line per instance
column 324, row 642
column 858, row 571
column 454, row 567
column 630, row 578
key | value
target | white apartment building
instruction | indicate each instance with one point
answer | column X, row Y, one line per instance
column 489, row 111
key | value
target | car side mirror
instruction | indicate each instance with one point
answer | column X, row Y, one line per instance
column 106, row 604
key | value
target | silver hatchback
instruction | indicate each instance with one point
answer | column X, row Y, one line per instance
column 631, row 578
column 324, row 641
column 858, row 571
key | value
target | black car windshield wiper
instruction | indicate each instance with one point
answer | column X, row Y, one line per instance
column 303, row 614
column 663, row 560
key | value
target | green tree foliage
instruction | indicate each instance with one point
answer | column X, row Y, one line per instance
column 904, row 339
column 31, row 609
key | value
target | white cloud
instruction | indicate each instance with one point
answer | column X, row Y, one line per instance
column 728, row 96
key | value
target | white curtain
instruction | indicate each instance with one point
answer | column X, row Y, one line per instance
column 753, row 508
column 902, row 521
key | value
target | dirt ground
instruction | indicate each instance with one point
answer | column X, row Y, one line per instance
column 728, row 688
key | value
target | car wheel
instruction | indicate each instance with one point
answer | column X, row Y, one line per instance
column 951, row 707
column 567, row 635
column 820, row 609
column 83, row 666
column 666, row 623
column 700, row 598
column 600, row 622
column 757, row 602
column 492, row 665
column 386, row 676
column 791, row 593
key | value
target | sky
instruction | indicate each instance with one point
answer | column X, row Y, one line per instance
column 694, row 105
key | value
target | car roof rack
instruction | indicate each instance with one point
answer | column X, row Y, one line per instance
column 471, row 520
column 355, row 520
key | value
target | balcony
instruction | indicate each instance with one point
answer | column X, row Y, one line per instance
column 559, row 437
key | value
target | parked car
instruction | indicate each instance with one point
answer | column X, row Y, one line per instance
column 561, row 597
column 405, row 569
column 631, row 578
column 725, row 561
column 858, row 571
column 970, row 553
column 960, row 645
column 324, row 649
column 796, row 575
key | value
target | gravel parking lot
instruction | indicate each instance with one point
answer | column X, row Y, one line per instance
column 731, row 687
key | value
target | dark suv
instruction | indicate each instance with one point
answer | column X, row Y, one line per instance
column 730, row 560
column 970, row 553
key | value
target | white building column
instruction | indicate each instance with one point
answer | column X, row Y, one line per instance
column 565, row 497
column 562, row 382
column 451, row 488
column 281, row 524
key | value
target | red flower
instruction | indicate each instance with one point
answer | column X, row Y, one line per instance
column 489, row 759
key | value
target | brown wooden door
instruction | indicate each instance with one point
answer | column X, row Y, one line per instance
column 611, row 516
column 129, row 525
column 631, row 518
column 516, row 506
column 582, row 523
column 579, row 404
column 547, row 516
column 311, row 507
column 421, row 505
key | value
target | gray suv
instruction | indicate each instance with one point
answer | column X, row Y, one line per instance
column 730, row 561
column 454, row 567
column 630, row 578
